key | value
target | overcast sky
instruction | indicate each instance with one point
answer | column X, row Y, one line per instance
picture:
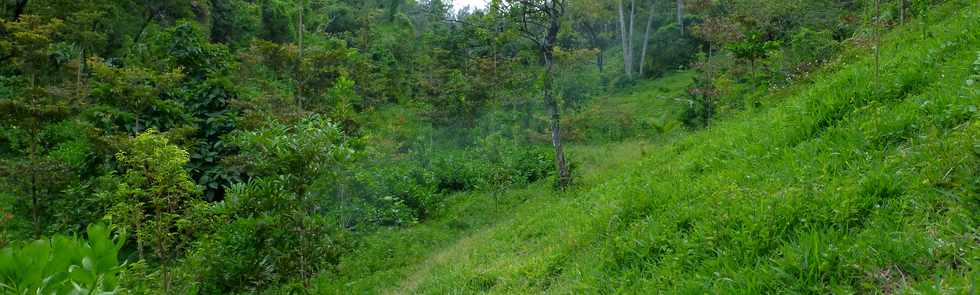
column 458, row 4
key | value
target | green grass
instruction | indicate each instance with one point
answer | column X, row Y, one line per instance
column 838, row 187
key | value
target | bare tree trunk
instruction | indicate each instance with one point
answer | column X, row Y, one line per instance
column 680, row 15
column 631, row 33
column 627, row 61
column 646, row 41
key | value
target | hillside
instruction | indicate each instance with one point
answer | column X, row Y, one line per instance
column 520, row 147
column 843, row 184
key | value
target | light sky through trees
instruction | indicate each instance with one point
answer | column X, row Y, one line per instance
column 459, row 4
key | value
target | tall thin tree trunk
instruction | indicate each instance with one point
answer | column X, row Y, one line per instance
column 627, row 62
column 78, row 74
column 161, row 250
column 631, row 33
column 680, row 15
column 599, row 59
column 33, row 158
column 35, row 203
column 564, row 175
column 299, row 69
column 646, row 41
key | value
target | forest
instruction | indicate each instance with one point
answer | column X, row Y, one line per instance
column 502, row 147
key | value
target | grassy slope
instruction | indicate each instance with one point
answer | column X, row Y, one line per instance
column 397, row 259
column 838, row 188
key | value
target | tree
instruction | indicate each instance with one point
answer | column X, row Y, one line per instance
column 36, row 176
column 300, row 73
column 646, row 38
column 298, row 159
column 626, row 34
column 592, row 18
column 680, row 15
column 540, row 22
column 135, row 98
column 153, row 198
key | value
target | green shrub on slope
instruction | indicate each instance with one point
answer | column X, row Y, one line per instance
column 62, row 265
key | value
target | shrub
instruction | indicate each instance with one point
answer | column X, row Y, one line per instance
column 807, row 50
column 63, row 265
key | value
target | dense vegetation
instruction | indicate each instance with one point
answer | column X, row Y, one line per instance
column 529, row 146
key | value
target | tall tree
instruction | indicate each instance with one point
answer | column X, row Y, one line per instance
column 300, row 31
column 646, row 37
column 626, row 35
column 680, row 15
column 592, row 18
column 540, row 22
column 35, row 176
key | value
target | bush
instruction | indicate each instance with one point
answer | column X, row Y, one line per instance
column 63, row 265
column 250, row 250
column 807, row 50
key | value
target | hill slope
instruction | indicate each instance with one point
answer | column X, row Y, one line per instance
column 845, row 185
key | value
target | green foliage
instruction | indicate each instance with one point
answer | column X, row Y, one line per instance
column 670, row 50
column 833, row 188
column 754, row 47
column 63, row 265
column 279, row 228
column 807, row 50
column 135, row 98
column 154, row 195
column 235, row 22
column 239, row 160
column 830, row 190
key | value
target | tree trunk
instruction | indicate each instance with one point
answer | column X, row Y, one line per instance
column 35, row 203
column 393, row 9
column 901, row 11
column 631, row 34
column 564, row 175
column 78, row 74
column 627, row 61
column 680, row 15
column 646, row 41
column 599, row 59
column 35, row 130
column 19, row 9
column 299, row 68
